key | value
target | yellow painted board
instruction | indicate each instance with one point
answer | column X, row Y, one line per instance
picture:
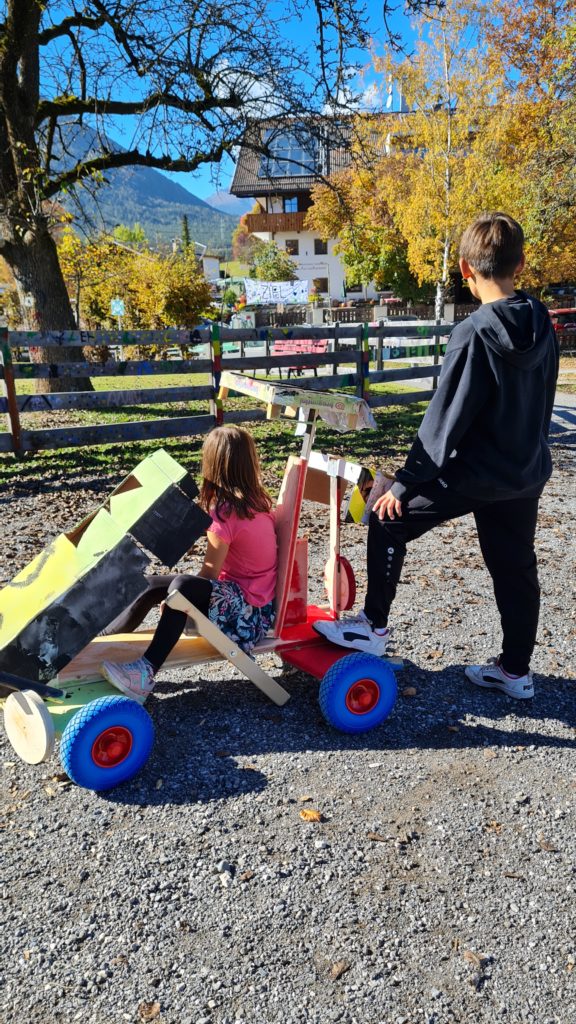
column 53, row 572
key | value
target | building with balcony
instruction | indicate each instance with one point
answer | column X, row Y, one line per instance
column 280, row 180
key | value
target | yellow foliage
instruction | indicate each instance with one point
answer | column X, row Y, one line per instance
column 158, row 291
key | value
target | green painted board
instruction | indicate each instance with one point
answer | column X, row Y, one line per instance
column 76, row 696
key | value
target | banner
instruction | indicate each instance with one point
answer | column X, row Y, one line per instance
column 259, row 293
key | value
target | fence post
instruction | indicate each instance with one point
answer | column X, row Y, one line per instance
column 365, row 365
column 216, row 405
column 379, row 343
column 9, row 401
column 336, row 347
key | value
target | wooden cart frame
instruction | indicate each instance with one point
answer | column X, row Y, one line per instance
column 34, row 719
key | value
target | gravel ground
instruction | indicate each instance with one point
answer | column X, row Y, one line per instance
column 439, row 885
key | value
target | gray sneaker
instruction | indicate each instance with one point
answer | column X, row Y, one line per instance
column 492, row 677
column 133, row 678
column 354, row 631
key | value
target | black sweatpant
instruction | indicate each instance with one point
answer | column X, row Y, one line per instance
column 172, row 621
column 506, row 532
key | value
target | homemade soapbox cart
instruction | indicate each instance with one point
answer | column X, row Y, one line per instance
column 52, row 612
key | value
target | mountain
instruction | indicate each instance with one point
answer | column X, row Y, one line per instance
column 131, row 194
column 230, row 204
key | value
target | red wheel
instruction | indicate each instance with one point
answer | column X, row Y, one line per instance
column 112, row 746
column 347, row 582
column 362, row 696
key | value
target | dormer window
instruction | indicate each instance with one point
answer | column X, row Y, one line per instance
column 291, row 154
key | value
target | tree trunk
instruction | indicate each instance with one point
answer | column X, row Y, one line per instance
column 45, row 303
column 439, row 300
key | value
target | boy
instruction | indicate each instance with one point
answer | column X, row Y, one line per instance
column 481, row 448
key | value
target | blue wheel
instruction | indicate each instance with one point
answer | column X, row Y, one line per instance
column 358, row 693
column 106, row 742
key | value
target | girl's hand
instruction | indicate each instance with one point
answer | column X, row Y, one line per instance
column 388, row 505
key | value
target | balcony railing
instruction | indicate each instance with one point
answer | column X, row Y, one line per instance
column 275, row 221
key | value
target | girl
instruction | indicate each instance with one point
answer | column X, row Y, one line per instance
column 235, row 586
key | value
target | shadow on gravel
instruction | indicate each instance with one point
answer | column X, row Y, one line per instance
column 210, row 733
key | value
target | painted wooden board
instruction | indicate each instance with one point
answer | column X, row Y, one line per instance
column 132, row 368
column 138, row 430
column 385, row 376
column 407, row 398
column 168, row 337
column 110, row 399
column 280, row 362
column 298, row 593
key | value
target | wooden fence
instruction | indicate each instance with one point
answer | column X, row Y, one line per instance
column 356, row 345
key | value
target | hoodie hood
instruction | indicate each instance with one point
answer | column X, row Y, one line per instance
column 517, row 329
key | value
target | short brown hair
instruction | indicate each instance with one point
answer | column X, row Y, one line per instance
column 231, row 474
column 493, row 245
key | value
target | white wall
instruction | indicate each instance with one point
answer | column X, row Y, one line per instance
column 310, row 266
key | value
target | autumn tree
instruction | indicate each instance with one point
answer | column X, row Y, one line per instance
column 187, row 85
column 184, row 88
column 437, row 169
column 353, row 211
column 532, row 49
column 271, row 263
column 243, row 241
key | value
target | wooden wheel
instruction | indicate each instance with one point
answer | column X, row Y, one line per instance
column 29, row 726
column 347, row 582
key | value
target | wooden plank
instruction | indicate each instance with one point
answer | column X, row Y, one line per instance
column 382, row 376
column 229, row 650
column 129, row 646
column 66, row 339
column 404, row 398
column 132, row 368
column 171, row 337
column 291, row 359
column 110, row 433
column 110, row 399
column 287, row 519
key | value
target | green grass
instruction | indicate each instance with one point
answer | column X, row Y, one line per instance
column 106, row 464
column 396, row 428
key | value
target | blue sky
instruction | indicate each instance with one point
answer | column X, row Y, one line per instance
column 210, row 178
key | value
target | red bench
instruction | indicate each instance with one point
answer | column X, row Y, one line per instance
column 299, row 346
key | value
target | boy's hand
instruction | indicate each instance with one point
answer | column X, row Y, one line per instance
column 388, row 505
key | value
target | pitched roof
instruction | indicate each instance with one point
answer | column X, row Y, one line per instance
column 254, row 170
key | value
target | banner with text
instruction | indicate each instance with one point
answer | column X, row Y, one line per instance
column 259, row 293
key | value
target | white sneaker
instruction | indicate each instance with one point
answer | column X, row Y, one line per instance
column 354, row 631
column 492, row 677
column 134, row 678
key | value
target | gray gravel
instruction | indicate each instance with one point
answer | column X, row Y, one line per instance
column 438, row 887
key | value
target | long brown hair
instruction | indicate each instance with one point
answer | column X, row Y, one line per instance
column 231, row 474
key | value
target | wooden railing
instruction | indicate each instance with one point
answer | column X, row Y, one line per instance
column 356, row 345
column 275, row 221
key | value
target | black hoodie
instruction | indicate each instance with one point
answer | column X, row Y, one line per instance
column 485, row 431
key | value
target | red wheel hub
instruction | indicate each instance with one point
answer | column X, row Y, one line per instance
column 362, row 696
column 112, row 746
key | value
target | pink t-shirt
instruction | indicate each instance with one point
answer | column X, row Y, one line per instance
column 252, row 558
